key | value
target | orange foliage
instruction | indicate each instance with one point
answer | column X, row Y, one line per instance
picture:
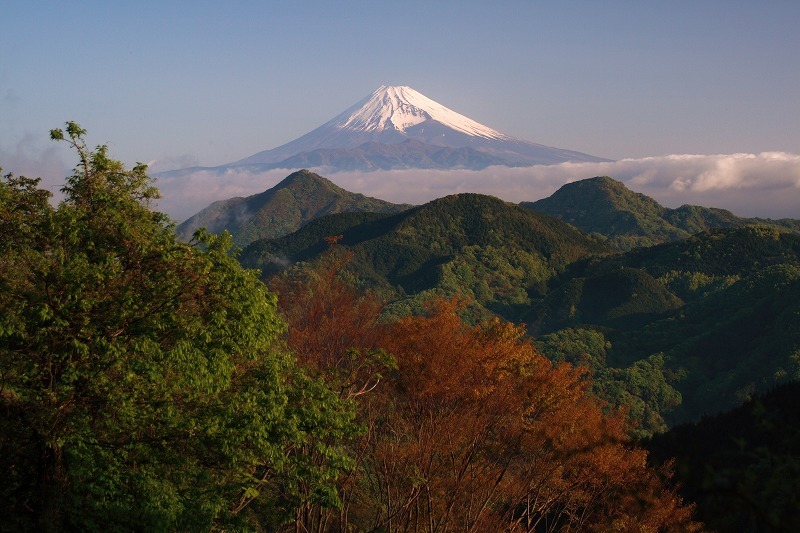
column 484, row 432
column 473, row 430
column 333, row 328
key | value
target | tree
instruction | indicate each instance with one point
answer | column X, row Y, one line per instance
column 142, row 384
column 335, row 330
column 333, row 327
column 643, row 388
column 471, row 429
column 482, row 433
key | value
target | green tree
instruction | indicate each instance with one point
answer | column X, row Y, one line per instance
column 142, row 384
column 645, row 388
column 578, row 346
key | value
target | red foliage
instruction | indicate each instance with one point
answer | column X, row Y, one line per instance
column 473, row 429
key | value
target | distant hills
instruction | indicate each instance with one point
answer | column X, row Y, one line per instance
column 601, row 206
column 300, row 198
column 397, row 127
column 694, row 325
column 680, row 316
column 468, row 244
column 628, row 219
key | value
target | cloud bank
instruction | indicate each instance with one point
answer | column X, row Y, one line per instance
column 765, row 184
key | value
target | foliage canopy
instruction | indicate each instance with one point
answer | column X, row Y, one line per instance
column 142, row 383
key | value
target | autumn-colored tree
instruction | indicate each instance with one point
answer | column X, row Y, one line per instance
column 334, row 331
column 472, row 430
column 480, row 432
column 333, row 326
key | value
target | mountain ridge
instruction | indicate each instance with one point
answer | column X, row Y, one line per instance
column 429, row 246
column 629, row 219
column 679, row 329
column 299, row 198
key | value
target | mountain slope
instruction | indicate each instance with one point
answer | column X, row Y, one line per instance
column 466, row 244
column 737, row 251
column 298, row 199
column 706, row 321
column 721, row 309
column 629, row 219
column 410, row 153
column 741, row 467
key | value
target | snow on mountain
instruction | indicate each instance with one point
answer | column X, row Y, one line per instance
column 397, row 114
column 401, row 108
column 394, row 128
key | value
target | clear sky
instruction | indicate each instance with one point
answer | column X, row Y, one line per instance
column 197, row 82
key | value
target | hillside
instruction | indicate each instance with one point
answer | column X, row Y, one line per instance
column 739, row 338
column 469, row 244
column 720, row 309
column 741, row 467
column 720, row 252
column 672, row 331
column 298, row 199
column 629, row 219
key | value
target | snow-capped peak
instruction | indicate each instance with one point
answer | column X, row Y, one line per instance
column 400, row 107
column 366, row 134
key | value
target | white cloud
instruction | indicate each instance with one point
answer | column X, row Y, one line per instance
column 170, row 163
column 187, row 193
column 765, row 184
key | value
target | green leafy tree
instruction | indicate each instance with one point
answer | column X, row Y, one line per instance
column 644, row 389
column 142, row 384
column 578, row 346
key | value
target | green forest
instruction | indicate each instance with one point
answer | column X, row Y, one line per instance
column 467, row 364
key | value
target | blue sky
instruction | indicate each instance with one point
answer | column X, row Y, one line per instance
column 208, row 83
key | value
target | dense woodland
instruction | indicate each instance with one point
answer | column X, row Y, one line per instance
column 371, row 371
column 742, row 466
column 671, row 331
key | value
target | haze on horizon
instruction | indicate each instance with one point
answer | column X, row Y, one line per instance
column 184, row 84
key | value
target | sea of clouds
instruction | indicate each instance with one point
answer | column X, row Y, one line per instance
column 765, row 184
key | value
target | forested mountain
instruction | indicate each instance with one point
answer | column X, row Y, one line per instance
column 721, row 310
column 298, row 199
column 629, row 219
column 472, row 245
column 672, row 331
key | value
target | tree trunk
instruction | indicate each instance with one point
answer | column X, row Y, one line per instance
column 52, row 484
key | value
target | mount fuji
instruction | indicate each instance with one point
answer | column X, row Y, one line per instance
column 397, row 127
